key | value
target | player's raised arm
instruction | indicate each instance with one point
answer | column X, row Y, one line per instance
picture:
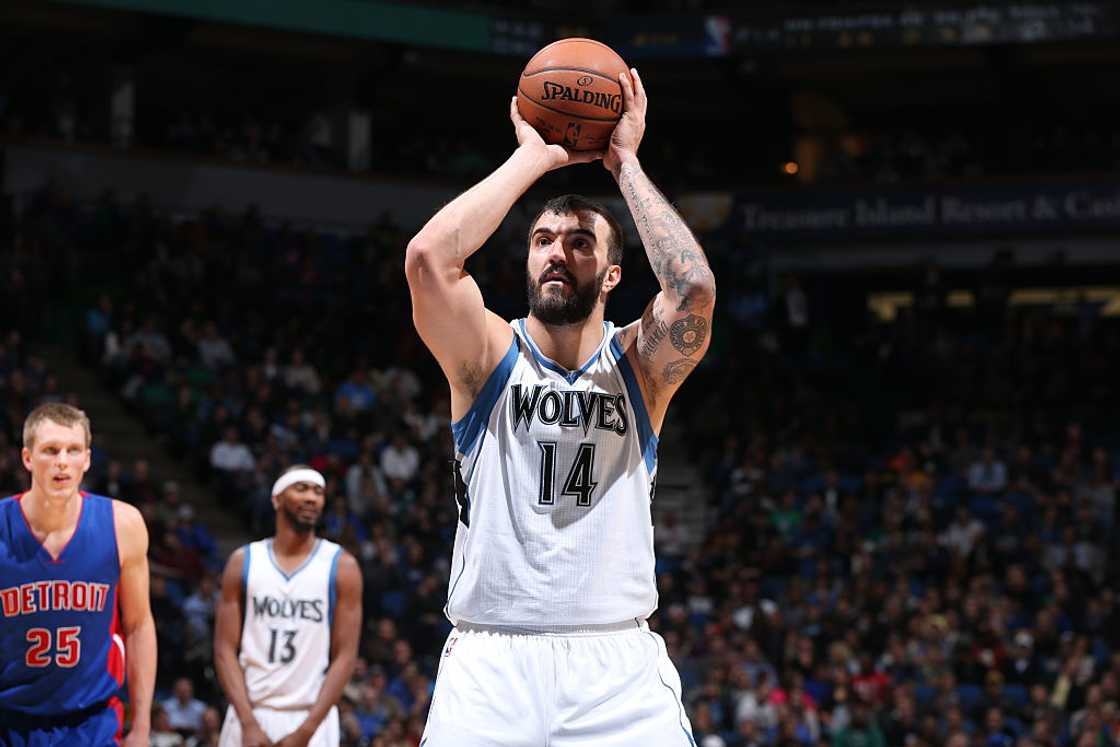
column 136, row 619
column 227, row 639
column 466, row 339
column 673, row 333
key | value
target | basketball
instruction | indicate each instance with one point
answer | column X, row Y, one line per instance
column 569, row 91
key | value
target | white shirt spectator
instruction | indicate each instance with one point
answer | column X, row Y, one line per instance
column 962, row 535
column 400, row 460
column 229, row 455
column 184, row 711
column 214, row 350
column 302, row 375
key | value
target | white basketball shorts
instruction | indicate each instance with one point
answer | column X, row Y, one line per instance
column 279, row 724
column 613, row 686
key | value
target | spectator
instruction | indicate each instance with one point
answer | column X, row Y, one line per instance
column 184, row 711
column 162, row 734
column 989, row 475
column 400, row 460
column 230, row 455
column 213, row 349
column 301, row 375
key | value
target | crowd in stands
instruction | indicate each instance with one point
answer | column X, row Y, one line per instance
column 312, row 137
column 910, row 534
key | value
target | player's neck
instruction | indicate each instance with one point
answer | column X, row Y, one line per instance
column 50, row 513
column 570, row 345
column 291, row 543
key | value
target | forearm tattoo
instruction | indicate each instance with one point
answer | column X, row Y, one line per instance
column 674, row 254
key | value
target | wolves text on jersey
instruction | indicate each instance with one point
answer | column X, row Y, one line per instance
column 288, row 609
column 568, row 409
column 53, row 596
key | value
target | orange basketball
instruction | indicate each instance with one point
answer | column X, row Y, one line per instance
column 570, row 93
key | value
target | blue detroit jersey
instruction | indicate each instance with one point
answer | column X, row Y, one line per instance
column 59, row 626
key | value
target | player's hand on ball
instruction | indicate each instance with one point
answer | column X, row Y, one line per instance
column 627, row 135
column 557, row 155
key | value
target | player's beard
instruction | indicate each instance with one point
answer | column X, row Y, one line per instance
column 297, row 522
column 563, row 308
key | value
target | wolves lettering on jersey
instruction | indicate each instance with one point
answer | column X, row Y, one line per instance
column 287, row 609
column 59, row 621
column 557, row 471
column 568, row 409
column 286, row 633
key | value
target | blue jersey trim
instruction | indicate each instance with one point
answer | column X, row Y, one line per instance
column 287, row 576
column 646, row 437
column 551, row 365
column 245, row 579
column 332, row 588
column 468, row 428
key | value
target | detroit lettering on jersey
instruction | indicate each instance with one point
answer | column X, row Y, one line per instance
column 568, row 409
column 287, row 609
column 53, row 596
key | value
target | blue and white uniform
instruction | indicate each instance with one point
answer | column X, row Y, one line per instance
column 552, row 574
column 286, row 641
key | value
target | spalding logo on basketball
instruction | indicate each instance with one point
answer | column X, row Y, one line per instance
column 608, row 102
column 570, row 93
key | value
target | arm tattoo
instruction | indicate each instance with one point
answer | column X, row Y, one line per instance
column 674, row 254
column 653, row 332
column 675, row 371
column 688, row 334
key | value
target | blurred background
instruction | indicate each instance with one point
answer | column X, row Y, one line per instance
column 886, row 503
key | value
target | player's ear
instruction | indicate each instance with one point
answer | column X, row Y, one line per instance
column 612, row 278
column 25, row 454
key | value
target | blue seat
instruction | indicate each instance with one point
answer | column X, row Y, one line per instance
column 1016, row 694
column 969, row 695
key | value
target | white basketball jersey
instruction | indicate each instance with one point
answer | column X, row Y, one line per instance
column 555, row 474
column 286, row 634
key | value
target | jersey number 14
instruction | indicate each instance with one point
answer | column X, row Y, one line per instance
column 579, row 484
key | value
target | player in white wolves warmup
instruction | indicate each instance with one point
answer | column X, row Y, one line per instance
column 556, row 419
column 287, row 627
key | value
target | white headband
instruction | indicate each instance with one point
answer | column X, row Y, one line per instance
column 289, row 479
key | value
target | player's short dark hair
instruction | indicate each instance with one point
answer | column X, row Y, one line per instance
column 294, row 467
column 576, row 204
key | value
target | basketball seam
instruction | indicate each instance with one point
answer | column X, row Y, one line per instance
column 589, row 71
column 561, row 111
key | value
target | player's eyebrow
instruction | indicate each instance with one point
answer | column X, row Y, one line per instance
column 570, row 232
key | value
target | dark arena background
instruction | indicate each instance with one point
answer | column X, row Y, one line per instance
column 887, row 500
